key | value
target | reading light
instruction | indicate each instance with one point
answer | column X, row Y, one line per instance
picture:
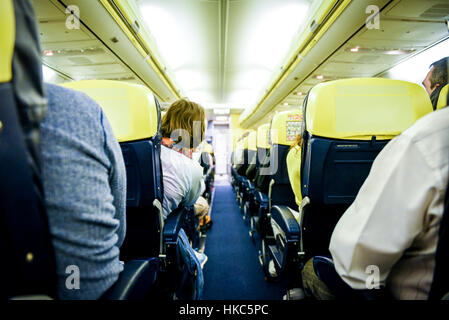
column 396, row 52
column 356, row 49
column 48, row 53
column 320, row 77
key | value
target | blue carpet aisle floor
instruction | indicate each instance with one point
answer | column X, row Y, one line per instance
column 233, row 271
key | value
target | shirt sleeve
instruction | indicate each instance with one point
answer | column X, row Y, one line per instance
column 197, row 187
column 387, row 215
column 117, row 177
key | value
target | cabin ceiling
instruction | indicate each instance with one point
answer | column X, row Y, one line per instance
column 226, row 53
column 77, row 54
column 223, row 52
column 407, row 27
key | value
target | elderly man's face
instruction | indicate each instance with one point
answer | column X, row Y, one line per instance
column 426, row 83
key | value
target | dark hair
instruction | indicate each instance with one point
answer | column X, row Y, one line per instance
column 439, row 74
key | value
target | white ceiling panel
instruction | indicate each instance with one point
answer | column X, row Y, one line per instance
column 405, row 33
column 223, row 52
column 420, row 10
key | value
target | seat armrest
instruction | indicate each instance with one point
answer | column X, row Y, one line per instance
column 173, row 224
column 261, row 198
column 134, row 281
column 284, row 217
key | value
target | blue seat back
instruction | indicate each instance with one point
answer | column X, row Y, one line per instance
column 285, row 127
column 134, row 114
column 347, row 123
column 28, row 265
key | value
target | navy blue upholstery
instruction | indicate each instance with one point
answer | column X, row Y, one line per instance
column 281, row 192
column 261, row 182
column 284, row 249
column 241, row 167
column 333, row 172
column 135, row 279
column 173, row 224
column 28, row 265
column 23, row 225
column 285, row 219
column 144, row 185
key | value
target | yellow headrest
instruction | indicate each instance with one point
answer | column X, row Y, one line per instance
column 442, row 100
column 208, row 148
column 361, row 108
column 130, row 108
column 262, row 136
column 7, row 39
column 285, row 127
column 252, row 141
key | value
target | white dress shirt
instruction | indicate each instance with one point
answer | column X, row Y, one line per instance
column 182, row 178
column 393, row 223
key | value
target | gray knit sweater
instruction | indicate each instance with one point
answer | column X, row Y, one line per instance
column 85, row 190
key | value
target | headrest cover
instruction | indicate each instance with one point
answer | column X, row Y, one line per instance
column 130, row 108
column 262, row 136
column 7, row 37
column 252, row 141
column 358, row 109
column 285, row 127
column 442, row 100
column 208, row 148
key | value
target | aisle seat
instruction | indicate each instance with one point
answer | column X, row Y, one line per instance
column 284, row 129
column 347, row 123
column 134, row 114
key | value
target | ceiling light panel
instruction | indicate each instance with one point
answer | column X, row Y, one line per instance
column 185, row 33
column 224, row 52
column 261, row 34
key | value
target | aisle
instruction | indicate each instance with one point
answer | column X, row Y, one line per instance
column 233, row 271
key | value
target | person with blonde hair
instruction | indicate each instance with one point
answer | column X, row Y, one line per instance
column 182, row 129
column 294, row 172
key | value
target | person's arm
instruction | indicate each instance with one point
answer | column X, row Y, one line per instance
column 197, row 186
column 386, row 216
column 82, row 192
column 117, row 177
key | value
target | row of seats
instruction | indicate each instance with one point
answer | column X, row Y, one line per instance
column 345, row 124
column 265, row 183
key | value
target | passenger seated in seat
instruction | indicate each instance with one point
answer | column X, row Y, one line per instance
column 436, row 79
column 182, row 127
column 393, row 223
column 84, row 181
column 294, row 171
